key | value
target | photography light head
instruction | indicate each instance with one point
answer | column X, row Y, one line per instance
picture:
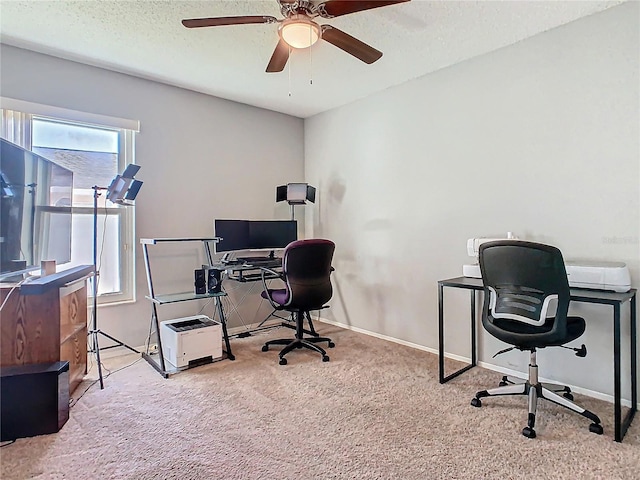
column 124, row 188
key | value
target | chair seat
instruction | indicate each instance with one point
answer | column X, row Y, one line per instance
column 526, row 336
column 279, row 296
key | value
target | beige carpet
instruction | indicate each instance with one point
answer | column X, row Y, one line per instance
column 375, row 411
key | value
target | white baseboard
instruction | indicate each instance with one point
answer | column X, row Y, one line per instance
column 488, row 366
column 114, row 352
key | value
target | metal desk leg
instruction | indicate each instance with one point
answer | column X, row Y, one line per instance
column 634, row 359
column 621, row 427
column 160, row 366
column 225, row 334
column 474, row 350
column 442, row 377
column 617, row 410
column 441, row 333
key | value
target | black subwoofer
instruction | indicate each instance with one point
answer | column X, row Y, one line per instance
column 34, row 399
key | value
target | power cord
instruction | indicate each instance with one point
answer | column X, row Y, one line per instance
column 74, row 401
column 17, row 285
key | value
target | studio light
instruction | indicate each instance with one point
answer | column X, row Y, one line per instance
column 122, row 191
column 295, row 194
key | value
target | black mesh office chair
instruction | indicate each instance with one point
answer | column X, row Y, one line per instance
column 306, row 271
column 522, row 282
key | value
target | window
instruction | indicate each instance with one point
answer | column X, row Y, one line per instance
column 95, row 153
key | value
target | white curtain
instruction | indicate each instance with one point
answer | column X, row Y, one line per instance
column 16, row 127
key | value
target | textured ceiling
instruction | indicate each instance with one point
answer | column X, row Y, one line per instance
column 145, row 38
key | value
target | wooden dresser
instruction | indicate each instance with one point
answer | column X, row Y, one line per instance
column 45, row 320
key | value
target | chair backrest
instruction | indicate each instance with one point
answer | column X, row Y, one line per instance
column 306, row 267
column 522, row 283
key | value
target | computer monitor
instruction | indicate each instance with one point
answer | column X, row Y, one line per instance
column 239, row 235
column 272, row 234
column 234, row 235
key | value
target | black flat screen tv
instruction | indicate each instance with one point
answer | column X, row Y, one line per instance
column 237, row 235
column 35, row 211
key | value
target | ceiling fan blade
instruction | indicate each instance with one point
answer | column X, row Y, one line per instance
column 220, row 21
column 336, row 8
column 350, row 44
column 279, row 57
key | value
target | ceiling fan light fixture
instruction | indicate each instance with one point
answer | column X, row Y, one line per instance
column 299, row 31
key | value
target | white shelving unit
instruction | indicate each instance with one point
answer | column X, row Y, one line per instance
column 156, row 359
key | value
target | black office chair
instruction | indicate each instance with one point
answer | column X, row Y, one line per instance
column 306, row 271
column 522, row 282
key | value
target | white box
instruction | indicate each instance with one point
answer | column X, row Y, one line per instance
column 189, row 339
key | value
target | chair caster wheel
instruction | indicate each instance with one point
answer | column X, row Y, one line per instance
column 283, row 361
column 325, row 358
column 568, row 396
column 476, row 402
column 596, row 428
column 265, row 348
column 529, row 432
column 331, row 344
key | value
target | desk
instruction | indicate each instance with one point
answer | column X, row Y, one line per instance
column 158, row 300
column 577, row 295
column 241, row 272
column 251, row 272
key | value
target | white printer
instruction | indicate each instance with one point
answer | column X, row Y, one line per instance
column 613, row 276
column 191, row 340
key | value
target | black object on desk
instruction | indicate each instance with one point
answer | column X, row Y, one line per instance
column 250, row 272
column 34, row 399
column 614, row 299
column 260, row 260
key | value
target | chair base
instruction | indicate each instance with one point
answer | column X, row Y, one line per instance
column 300, row 341
column 558, row 394
column 292, row 325
column 309, row 343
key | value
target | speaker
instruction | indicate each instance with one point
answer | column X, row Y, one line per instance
column 214, row 280
column 200, row 281
column 34, row 399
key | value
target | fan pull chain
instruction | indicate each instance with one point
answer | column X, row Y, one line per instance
column 289, row 69
column 310, row 59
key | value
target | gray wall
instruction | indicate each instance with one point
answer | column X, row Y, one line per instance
column 202, row 158
column 540, row 138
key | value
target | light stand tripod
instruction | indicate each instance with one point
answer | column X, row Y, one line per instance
column 122, row 190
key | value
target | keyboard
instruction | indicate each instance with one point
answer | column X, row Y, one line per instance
column 259, row 260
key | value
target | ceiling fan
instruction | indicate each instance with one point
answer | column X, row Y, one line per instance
column 299, row 30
